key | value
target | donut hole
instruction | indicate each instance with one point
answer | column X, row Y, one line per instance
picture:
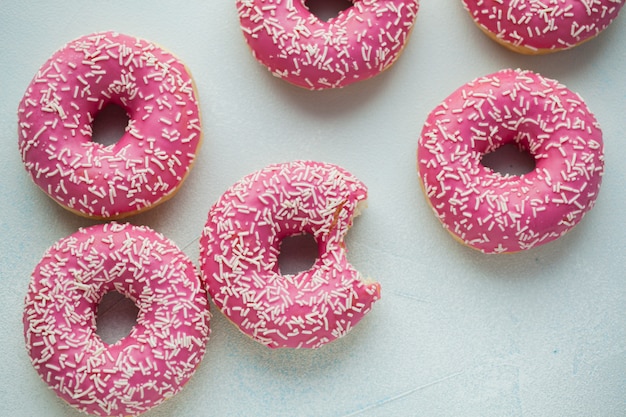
column 509, row 160
column 109, row 125
column 325, row 10
column 298, row 253
column 116, row 317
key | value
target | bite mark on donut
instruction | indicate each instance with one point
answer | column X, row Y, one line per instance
column 336, row 216
column 304, row 310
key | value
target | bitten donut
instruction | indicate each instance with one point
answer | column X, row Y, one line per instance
column 240, row 245
column 539, row 26
column 148, row 164
column 162, row 350
column 497, row 213
column 298, row 47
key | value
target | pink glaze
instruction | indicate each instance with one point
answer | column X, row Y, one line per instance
column 497, row 213
column 162, row 350
column 240, row 245
column 296, row 46
column 544, row 24
column 151, row 159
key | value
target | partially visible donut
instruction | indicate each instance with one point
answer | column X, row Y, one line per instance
column 298, row 47
column 240, row 245
column 163, row 349
column 542, row 26
column 148, row 164
column 497, row 213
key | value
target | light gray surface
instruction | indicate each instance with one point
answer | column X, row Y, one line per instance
column 540, row 333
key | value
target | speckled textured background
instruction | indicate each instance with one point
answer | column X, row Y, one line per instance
column 540, row 333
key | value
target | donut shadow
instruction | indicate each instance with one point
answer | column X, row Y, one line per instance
column 524, row 266
column 288, row 364
column 56, row 216
column 566, row 64
column 333, row 103
column 573, row 62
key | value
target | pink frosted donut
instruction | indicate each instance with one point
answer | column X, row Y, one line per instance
column 497, row 213
column 162, row 350
column 296, row 46
column 146, row 166
column 240, row 245
column 542, row 26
